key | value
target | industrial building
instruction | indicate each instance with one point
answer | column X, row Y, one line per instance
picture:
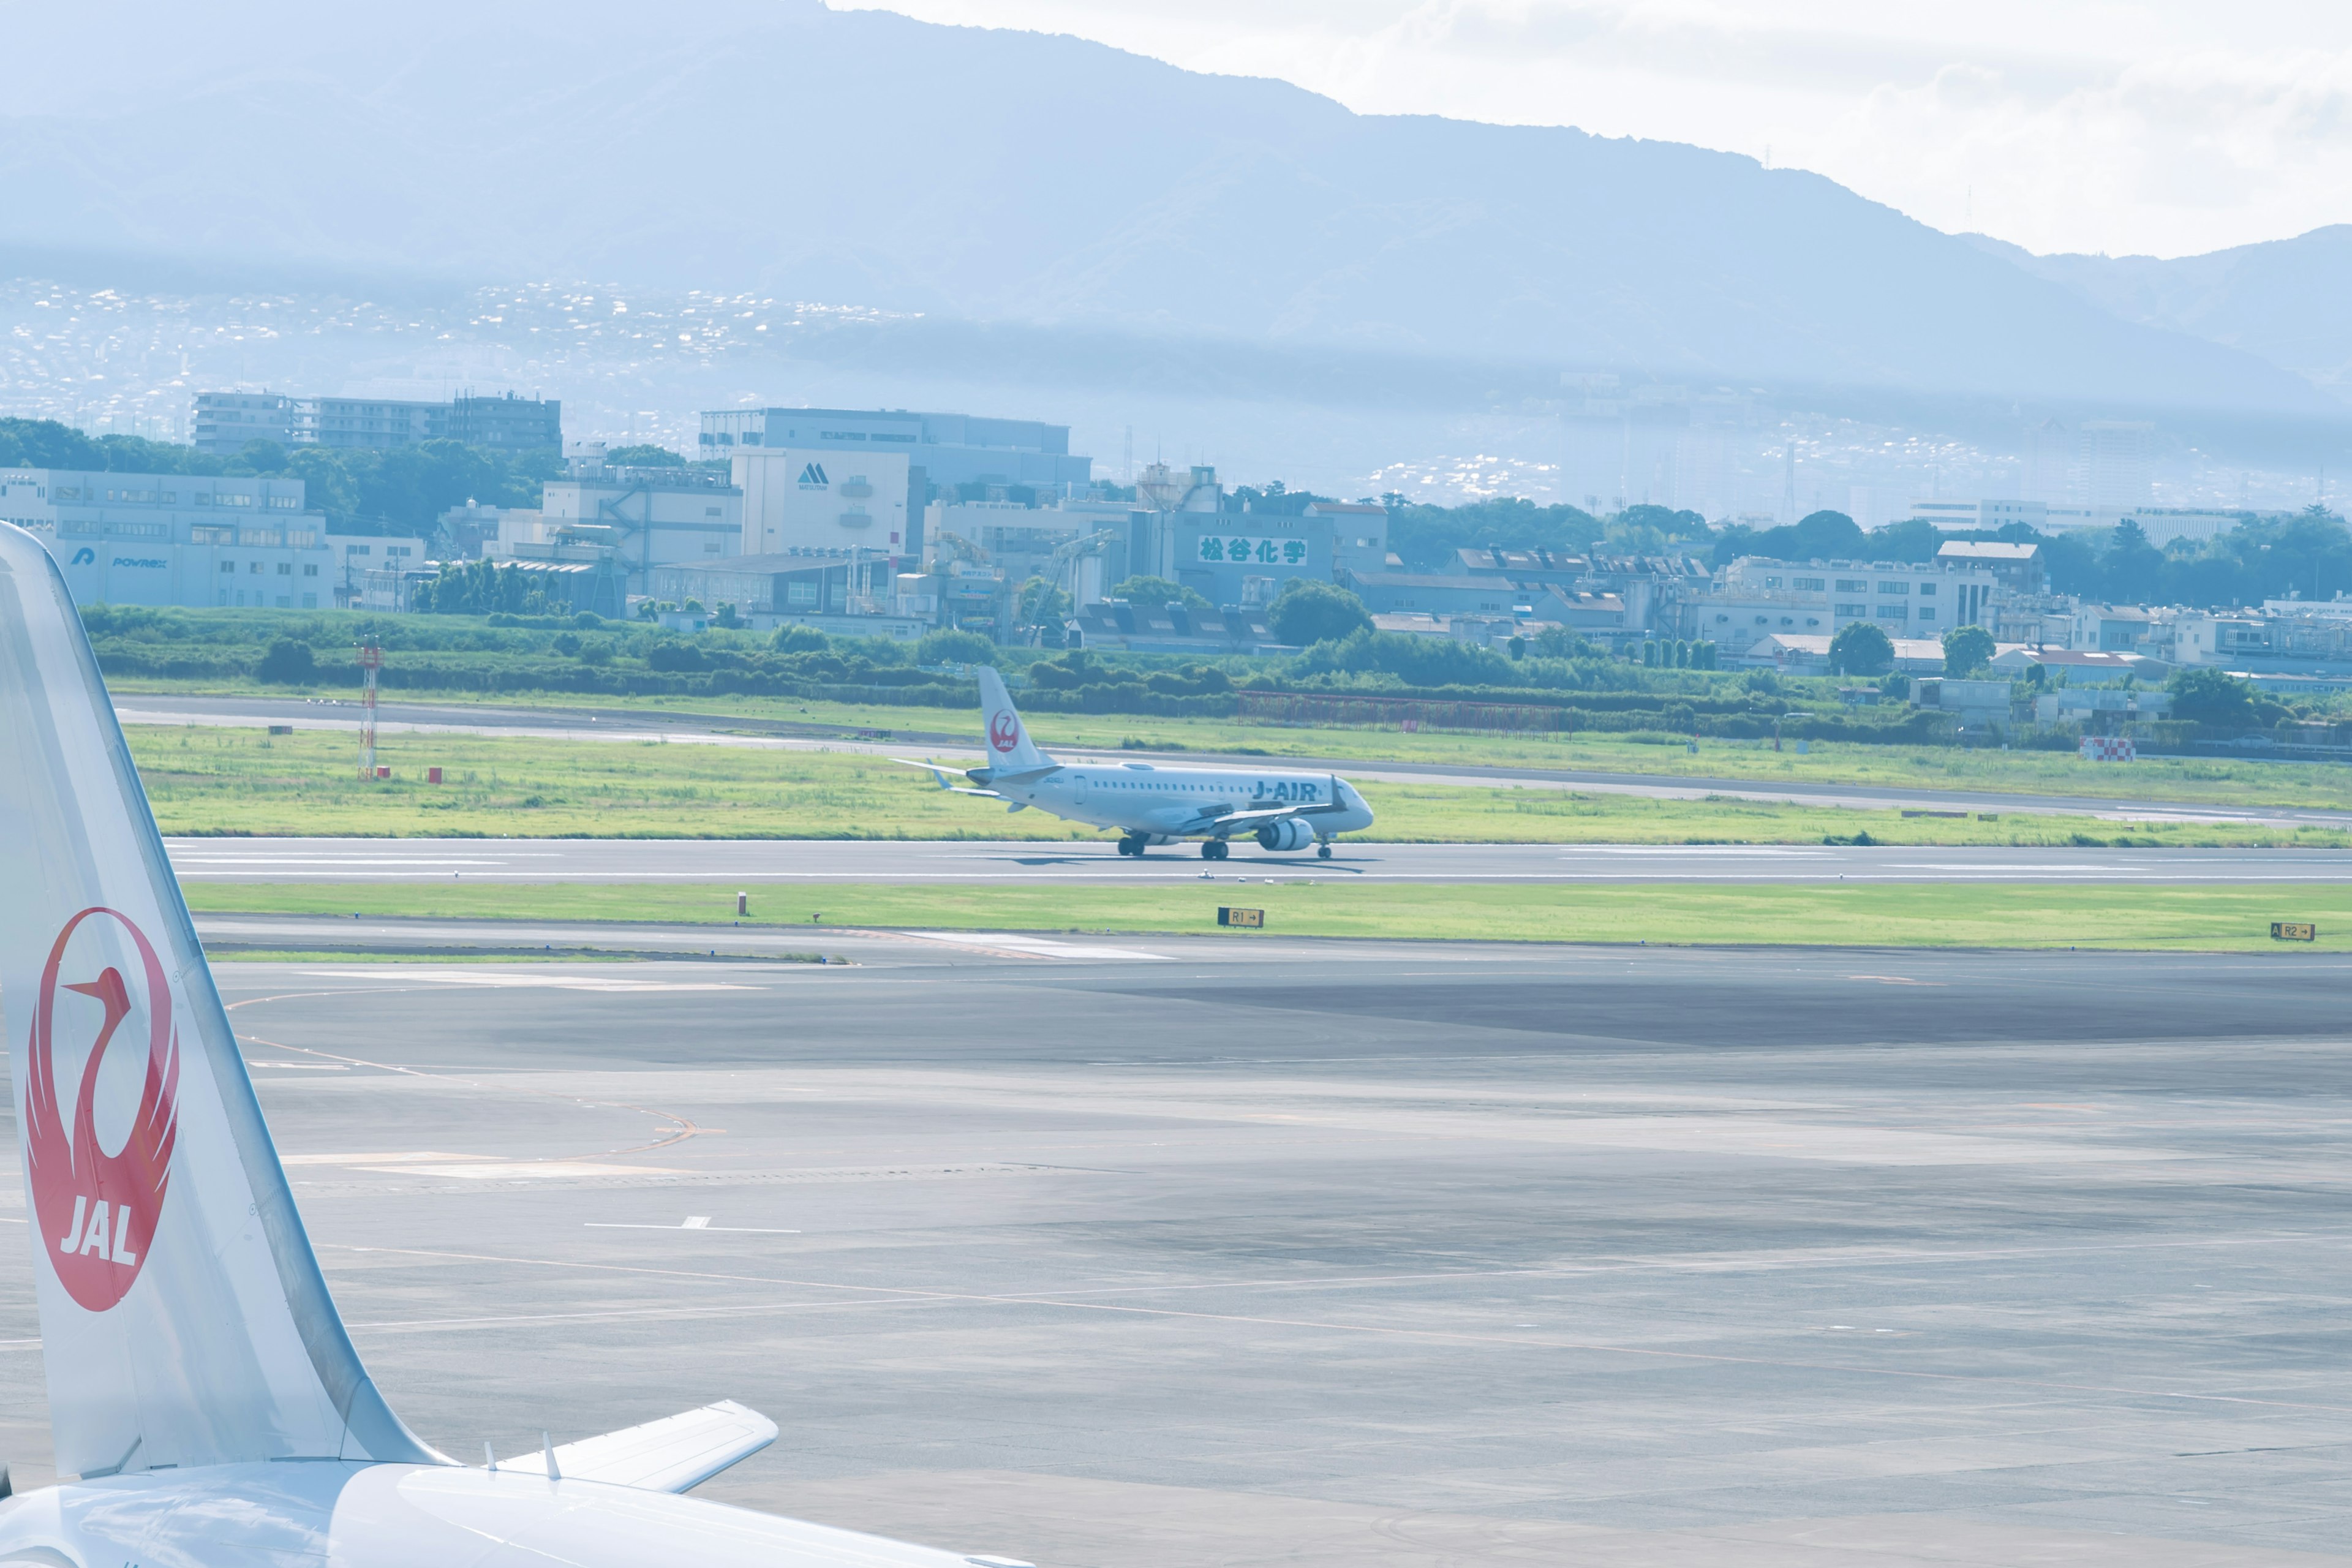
column 803, row 497
column 952, row 449
column 648, row 517
column 194, row 541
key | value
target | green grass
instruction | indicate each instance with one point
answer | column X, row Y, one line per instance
column 204, row 780
column 2200, row 919
column 2211, row 780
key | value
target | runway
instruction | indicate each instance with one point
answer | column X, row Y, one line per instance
column 1356, row 1254
column 625, row 725
column 756, row 862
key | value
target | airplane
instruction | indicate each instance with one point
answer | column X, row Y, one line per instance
column 1150, row 804
column 204, row 1393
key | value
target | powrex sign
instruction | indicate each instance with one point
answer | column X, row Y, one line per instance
column 97, row 1212
column 1004, row 731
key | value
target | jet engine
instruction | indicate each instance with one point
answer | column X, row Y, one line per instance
column 1290, row 833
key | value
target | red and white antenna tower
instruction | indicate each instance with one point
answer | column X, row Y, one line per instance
column 370, row 660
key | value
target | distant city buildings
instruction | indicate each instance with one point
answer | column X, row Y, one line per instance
column 225, row 421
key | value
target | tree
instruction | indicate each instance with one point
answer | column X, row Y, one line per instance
column 262, row 456
column 1914, row 539
column 954, row 647
column 1042, row 603
column 288, row 663
column 1860, row 647
column 1816, row 536
column 1308, row 612
column 1427, row 536
column 1151, row 593
column 2131, row 565
column 800, row 639
column 644, row 456
column 1967, row 650
column 2203, row 695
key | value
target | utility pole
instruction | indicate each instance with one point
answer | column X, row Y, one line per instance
column 370, row 660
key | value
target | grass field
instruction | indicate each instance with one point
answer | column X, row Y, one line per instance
column 2199, row 919
column 2207, row 781
column 204, row 780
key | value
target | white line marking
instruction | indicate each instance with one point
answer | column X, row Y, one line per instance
column 690, row 1225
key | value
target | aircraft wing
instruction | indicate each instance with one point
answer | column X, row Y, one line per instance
column 675, row 1453
column 1252, row 820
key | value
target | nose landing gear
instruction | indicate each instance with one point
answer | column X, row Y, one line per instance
column 1323, row 850
column 1215, row 849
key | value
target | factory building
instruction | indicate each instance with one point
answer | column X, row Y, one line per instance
column 194, row 541
column 950, row 449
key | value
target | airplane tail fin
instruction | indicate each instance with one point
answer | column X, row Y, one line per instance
column 1010, row 749
column 184, row 1318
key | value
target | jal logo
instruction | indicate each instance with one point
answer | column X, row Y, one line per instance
column 813, row 477
column 97, row 1210
column 83, row 557
column 1004, row 732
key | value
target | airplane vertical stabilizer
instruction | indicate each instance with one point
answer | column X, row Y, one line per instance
column 183, row 1319
column 1010, row 749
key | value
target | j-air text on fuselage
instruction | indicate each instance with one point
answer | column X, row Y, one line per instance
column 1148, row 804
column 203, row 1393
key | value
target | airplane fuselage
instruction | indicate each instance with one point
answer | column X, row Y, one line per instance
column 1161, row 805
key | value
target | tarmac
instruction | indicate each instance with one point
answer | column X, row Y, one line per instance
column 768, row 862
column 1169, row 1253
column 721, row 730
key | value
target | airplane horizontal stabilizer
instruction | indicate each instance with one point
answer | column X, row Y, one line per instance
column 675, row 1453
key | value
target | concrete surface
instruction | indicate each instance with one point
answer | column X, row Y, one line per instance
column 755, row 861
column 1180, row 1254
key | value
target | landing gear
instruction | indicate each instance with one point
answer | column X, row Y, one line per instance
column 1215, row 849
column 1323, row 850
column 1130, row 845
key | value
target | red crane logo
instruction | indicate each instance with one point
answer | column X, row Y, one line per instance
column 97, row 1212
column 1004, row 732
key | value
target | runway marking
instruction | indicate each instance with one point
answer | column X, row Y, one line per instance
column 1040, row 947
column 302, row 1067
column 1898, row 980
column 528, row 1170
column 682, row 1127
column 420, row 1157
column 879, row 1294
column 700, row 1222
column 538, row 982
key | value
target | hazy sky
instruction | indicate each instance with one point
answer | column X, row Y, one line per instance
column 2164, row 127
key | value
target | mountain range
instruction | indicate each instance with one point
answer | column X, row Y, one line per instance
column 1044, row 184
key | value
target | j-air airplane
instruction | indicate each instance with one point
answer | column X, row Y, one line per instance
column 202, row 1391
column 1148, row 804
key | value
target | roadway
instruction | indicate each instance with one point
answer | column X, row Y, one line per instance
column 1191, row 1254
column 754, row 862
column 625, row 725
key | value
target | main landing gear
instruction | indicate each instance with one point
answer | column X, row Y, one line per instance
column 1131, row 845
column 1323, row 850
column 1215, row 849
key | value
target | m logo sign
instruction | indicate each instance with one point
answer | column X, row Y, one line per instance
column 813, row 477
column 96, row 1211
